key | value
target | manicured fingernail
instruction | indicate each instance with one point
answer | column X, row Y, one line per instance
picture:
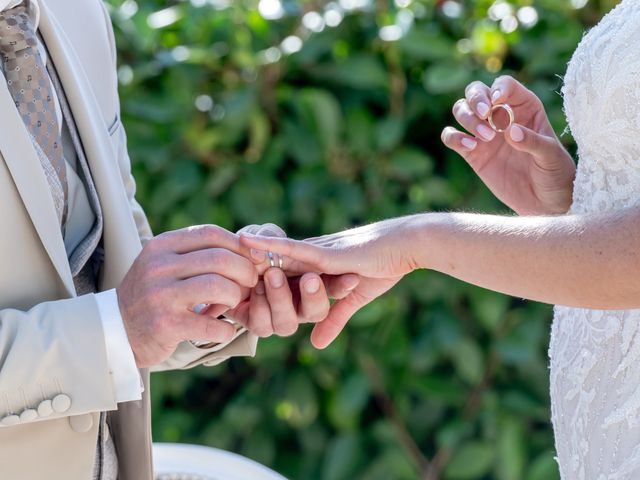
column 312, row 286
column 486, row 133
column 259, row 288
column 483, row 109
column 275, row 278
column 496, row 95
column 258, row 255
column 516, row 133
column 469, row 143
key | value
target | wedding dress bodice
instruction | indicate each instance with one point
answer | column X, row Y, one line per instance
column 594, row 354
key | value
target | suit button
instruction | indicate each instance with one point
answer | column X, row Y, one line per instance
column 10, row 420
column 61, row 403
column 45, row 408
column 29, row 415
column 81, row 423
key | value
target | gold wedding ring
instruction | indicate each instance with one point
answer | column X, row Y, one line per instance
column 506, row 108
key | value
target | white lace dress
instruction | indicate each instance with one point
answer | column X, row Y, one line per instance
column 595, row 355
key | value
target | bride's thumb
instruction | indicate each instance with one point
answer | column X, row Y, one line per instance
column 526, row 140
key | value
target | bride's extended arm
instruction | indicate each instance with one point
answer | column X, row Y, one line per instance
column 590, row 261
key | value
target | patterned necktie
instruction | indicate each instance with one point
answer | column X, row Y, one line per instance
column 31, row 90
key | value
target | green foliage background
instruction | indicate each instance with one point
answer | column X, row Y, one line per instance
column 436, row 380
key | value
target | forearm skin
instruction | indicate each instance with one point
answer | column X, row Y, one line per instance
column 588, row 261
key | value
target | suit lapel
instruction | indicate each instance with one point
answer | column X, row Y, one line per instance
column 121, row 240
column 28, row 175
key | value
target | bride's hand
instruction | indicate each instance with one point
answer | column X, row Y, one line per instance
column 374, row 252
column 526, row 167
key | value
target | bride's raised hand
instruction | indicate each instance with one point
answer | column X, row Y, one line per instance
column 374, row 252
column 526, row 167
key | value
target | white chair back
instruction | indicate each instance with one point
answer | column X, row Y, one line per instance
column 174, row 461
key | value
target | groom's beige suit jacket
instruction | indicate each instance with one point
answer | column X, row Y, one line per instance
column 51, row 341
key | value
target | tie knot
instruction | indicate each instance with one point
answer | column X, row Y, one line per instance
column 17, row 32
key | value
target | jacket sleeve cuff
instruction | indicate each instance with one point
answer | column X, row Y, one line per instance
column 122, row 365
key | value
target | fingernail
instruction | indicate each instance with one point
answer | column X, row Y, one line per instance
column 258, row 255
column 516, row 133
column 259, row 288
column 312, row 286
column 483, row 109
column 469, row 143
column 275, row 278
column 496, row 95
column 486, row 133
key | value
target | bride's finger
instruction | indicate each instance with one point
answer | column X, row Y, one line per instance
column 325, row 332
column 506, row 89
column 339, row 286
column 461, row 143
column 318, row 258
column 478, row 96
column 290, row 266
column 471, row 122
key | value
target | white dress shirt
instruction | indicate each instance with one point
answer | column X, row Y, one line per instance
column 126, row 378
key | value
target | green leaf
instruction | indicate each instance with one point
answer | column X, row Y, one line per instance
column 489, row 307
column 359, row 72
column 472, row 460
column 302, row 144
column 256, row 200
column 487, row 39
column 393, row 463
column 511, row 450
column 454, row 432
column 260, row 447
column 427, row 44
column 344, row 454
column 359, row 131
column 321, row 113
column 409, row 164
column 520, row 346
column 348, row 402
column 299, row 405
column 445, row 78
column 544, row 467
column 389, row 132
column 469, row 361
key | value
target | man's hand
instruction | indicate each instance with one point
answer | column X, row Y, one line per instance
column 373, row 253
column 526, row 167
column 175, row 272
column 279, row 304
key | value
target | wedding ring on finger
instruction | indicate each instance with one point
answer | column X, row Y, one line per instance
column 272, row 260
column 507, row 108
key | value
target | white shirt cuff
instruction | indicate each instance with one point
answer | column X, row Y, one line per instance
column 122, row 364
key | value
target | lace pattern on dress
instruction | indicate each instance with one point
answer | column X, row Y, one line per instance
column 595, row 355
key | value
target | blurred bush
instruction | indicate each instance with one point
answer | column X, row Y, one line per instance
column 319, row 116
